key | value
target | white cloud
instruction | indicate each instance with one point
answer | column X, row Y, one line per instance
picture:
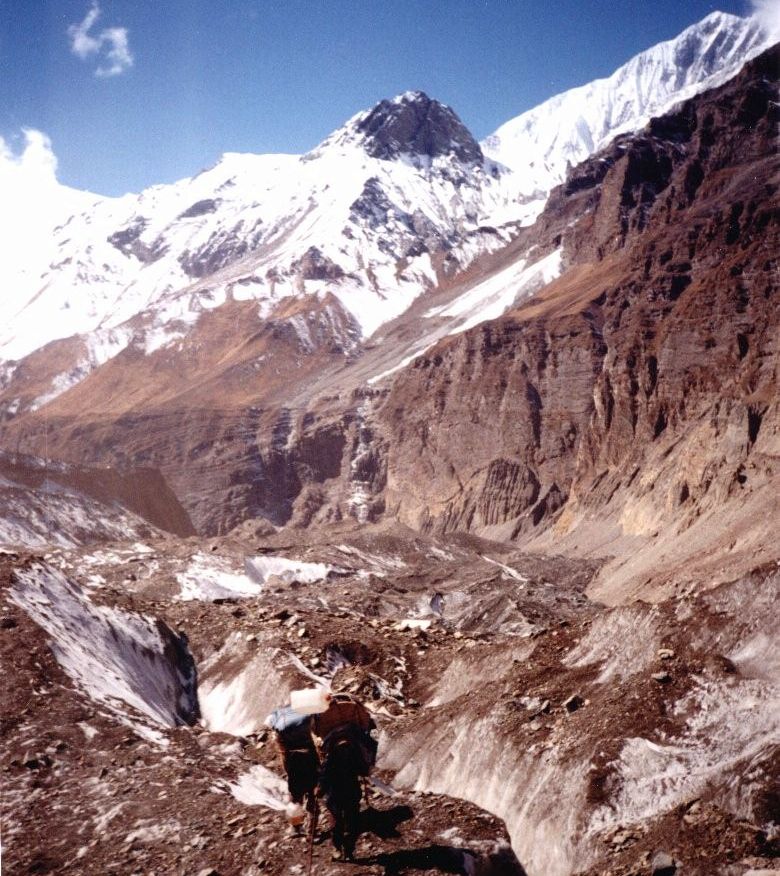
column 29, row 186
column 34, row 165
column 110, row 45
column 32, row 204
column 768, row 13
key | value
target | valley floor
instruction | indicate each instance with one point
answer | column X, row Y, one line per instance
column 137, row 677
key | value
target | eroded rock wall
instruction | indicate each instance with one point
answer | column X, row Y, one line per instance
column 638, row 392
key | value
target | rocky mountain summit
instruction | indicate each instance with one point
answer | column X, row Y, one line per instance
column 500, row 461
column 414, row 126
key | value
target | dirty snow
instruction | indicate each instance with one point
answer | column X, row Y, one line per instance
column 261, row 787
column 208, row 578
column 507, row 570
column 260, row 569
column 238, row 686
column 148, row 831
column 118, row 658
column 103, row 820
column 57, row 516
column 624, row 641
column 360, row 488
column 378, row 564
column 731, row 728
column 226, row 706
column 440, row 553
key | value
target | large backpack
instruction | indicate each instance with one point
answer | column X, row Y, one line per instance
column 293, row 730
column 362, row 745
column 343, row 710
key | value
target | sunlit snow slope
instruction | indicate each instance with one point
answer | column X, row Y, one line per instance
column 347, row 216
column 542, row 143
column 398, row 200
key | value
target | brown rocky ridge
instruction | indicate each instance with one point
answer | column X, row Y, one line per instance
column 631, row 405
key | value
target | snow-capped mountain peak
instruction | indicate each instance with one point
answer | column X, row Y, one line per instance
column 392, row 204
column 542, row 143
column 359, row 217
column 411, row 125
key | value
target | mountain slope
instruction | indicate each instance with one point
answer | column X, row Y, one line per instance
column 357, row 216
column 223, row 321
column 389, row 206
column 541, row 144
column 631, row 407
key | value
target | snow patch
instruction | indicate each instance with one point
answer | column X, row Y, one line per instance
column 507, row 570
column 87, row 729
column 208, row 578
column 260, row 569
column 100, row 347
column 261, row 787
column 488, row 300
column 484, row 301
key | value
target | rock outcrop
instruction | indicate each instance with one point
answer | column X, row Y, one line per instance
column 415, row 125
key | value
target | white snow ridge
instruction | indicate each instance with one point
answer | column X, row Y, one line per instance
column 542, row 143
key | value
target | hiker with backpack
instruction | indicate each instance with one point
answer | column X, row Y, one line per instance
column 300, row 760
column 326, row 743
column 347, row 755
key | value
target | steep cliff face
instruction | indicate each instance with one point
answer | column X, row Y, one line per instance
column 637, row 394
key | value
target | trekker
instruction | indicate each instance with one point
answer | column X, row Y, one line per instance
column 329, row 752
column 347, row 753
column 299, row 758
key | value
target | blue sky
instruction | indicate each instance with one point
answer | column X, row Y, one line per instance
column 149, row 91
